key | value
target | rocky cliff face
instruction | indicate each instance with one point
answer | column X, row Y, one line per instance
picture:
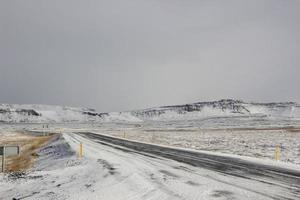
column 225, row 106
column 222, row 108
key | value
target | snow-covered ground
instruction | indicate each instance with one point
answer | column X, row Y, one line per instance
column 230, row 127
column 257, row 143
column 109, row 173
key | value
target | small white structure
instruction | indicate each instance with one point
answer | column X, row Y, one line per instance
column 8, row 151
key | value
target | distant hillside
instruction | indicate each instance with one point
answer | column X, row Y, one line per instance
column 45, row 113
column 201, row 110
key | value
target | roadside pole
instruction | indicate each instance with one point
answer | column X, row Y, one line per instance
column 277, row 153
column 80, row 150
column 43, row 130
column 3, row 159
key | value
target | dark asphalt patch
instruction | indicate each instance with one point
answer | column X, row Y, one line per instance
column 192, row 183
column 25, row 197
column 169, row 173
column 108, row 166
column 224, row 194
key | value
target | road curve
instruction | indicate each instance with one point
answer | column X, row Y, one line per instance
column 287, row 179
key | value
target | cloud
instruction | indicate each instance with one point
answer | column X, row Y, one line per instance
column 127, row 54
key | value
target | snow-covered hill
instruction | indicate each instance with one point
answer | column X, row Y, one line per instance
column 45, row 113
column 194, row 111
column 222, row 108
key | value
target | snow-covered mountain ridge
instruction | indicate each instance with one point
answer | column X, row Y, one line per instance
column 201, row 110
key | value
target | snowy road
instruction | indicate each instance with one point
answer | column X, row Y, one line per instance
column 145, row 171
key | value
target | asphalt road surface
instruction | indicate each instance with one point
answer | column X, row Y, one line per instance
column 287, row 180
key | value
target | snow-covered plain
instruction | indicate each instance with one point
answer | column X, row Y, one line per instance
column 258, row 143
column 108, row 173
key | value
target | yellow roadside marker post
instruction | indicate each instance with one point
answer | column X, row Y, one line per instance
column 277, row 153
column 80, row 150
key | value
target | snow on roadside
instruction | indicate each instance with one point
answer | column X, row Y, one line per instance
column 251, row 143
column 267, row 162
column 111, row 174
column 54, row 172
column 150, row 178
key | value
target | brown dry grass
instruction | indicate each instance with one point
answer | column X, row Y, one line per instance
column 28, row 152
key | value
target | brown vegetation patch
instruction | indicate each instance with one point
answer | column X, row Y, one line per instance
column 28, row 151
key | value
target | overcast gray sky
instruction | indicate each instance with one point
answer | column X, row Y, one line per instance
column 124, row 54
